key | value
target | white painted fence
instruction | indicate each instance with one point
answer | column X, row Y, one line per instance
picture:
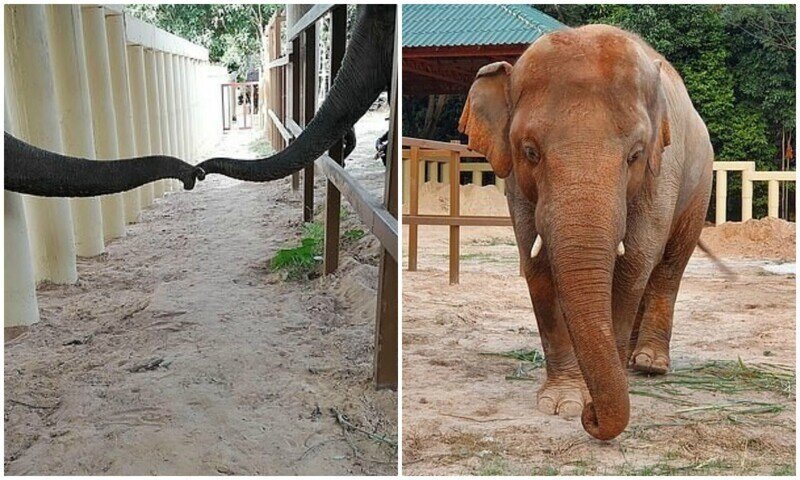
column 92, row 81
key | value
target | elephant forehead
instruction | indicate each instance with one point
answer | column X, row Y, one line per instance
column 584, row 60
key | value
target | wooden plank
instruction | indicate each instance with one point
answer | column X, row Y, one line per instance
column 413, row 209
column 294, row 128
column 462, row 220
column 372, row 213
column 768, row 176
column 285, row 134
column 307, row 20
column 333, row 199
column 309, row 104
column 278, row 62
column 455, row 211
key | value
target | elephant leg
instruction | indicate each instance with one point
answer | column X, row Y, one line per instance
column 564, row 392
column 652, row 337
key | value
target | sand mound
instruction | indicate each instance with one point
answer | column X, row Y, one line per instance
column 434, row 199
column 767, row 238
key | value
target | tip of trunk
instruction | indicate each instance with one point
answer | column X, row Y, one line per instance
column 610, row 427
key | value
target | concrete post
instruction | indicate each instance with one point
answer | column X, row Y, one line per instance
column 772, row 198
column 172, row 108
column 153, row 73
column 747, row 196
column 722, row 196
column 30, row 98
column 179, row 88
column 141, row 127
column 74, row 114
column 187, row 109
column 19, row 291
column 103, row 117
column 120, row 88
column 163, row 89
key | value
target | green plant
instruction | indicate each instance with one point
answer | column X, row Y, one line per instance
column 301, row 261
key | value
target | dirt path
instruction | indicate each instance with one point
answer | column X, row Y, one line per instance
column 180, row 353
column 466, row 412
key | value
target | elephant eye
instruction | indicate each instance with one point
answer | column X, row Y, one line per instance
column 530, row 153
column 635, row 155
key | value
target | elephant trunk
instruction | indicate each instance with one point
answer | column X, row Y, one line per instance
column 581, row 241
column 365, row 72
column 34, row 171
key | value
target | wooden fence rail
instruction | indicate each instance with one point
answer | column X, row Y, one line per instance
column 291, row 106
column 420, row 155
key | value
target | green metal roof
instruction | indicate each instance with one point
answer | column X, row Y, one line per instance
column 453, row 25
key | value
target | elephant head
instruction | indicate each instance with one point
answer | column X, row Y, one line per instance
column 40, row 172
column 581, row 121
column 366, row 71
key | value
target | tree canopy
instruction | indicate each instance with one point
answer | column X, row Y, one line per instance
column 738, row 64
column 231, row 32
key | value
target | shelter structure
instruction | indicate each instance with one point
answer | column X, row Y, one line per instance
column 445, row 45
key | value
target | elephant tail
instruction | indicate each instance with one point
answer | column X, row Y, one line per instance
column 726, row 270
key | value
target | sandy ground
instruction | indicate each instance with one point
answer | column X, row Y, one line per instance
column 179, row 352
column 466, row 412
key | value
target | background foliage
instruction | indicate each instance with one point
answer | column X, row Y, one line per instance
column 738, row 64
column 231, row 32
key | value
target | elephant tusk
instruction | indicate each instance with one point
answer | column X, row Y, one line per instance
column 537, row 246
column 620, row 249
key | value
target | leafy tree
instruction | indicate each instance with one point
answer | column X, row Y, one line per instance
column 232, row 33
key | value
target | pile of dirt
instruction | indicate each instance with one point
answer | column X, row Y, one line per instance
column 766, row 238
column 434, row 199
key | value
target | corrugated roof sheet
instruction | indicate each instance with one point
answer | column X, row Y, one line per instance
column 453, row 25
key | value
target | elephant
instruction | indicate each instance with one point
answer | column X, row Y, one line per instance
column 366, row 71
column 43, row 173
column 608, row 171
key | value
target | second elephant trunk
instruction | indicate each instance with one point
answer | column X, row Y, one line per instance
column 365, row 72
column 34, row 171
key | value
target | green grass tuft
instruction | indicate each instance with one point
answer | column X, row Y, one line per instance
column 302, row 261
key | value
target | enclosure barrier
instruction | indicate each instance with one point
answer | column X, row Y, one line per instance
column 421, row 157
column 94, row 82
column 291, row 104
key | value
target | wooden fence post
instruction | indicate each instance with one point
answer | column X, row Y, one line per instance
column 772, row 198
column 721, row 196
column 455, row 211
column 333, row 196
column 747, row 196
column 386, row 331
column 309, row 104
column 413, row 207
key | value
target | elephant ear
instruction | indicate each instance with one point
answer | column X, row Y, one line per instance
column 661, row 122
column 486, row 116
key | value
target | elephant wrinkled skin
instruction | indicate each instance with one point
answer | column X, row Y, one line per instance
column 608, row 170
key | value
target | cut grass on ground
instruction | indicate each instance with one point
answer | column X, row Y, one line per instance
column 301, row 262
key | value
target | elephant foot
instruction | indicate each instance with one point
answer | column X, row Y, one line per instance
column 650, row 360
column 563, row 397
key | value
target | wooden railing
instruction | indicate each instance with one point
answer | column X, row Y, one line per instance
column 421, row 157
column 291, row 106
